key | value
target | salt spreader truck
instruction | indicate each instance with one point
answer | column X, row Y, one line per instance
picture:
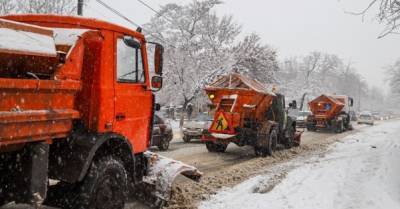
column 76, row 107
column 330, row 112
column 247, row 113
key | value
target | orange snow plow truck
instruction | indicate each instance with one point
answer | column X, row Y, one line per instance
column 246, row 113
column 76, row 108
column 330, row 112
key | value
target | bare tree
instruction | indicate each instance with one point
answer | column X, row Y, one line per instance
column 7, row 6
column 62, row 7
column 389, row 15
column 394, row 77
column 318, row 73
column 66, row 7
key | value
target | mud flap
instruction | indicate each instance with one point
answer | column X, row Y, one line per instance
column 297, row 138
column 162, row 172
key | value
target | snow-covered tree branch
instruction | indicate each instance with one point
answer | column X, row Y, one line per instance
column 65, row 7
column 318, row 73
column 388, row 14
column 200, row 45
column 394, row 77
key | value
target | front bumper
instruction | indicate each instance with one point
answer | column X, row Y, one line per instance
column 193, row 132
column 301, row 123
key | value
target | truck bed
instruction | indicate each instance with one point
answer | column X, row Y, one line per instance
column 32, row 110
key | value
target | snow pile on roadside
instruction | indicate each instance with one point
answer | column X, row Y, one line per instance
column 360, row 172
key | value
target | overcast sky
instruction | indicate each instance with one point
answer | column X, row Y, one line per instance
column 294, row 28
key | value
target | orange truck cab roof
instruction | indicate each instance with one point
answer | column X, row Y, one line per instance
column 71, row 22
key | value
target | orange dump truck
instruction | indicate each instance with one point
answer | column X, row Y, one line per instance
column 246, row 113
column 76, row 106
column 330, row 112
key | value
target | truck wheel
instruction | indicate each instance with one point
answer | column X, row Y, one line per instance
column 104, row 187
column 290, row 140
column 2, row 201
column 220, row 147
column 164, row 144
column 186, row 139
column 272, row 142
column 310, row 128
column 271, row 146
column 260, row 151
column 211, row 147
column 339, row 127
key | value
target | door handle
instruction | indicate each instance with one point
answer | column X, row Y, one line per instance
column 120, row 116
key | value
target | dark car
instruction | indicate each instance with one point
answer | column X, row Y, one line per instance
column 162, row 133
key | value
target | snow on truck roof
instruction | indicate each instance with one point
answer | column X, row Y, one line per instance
column 20, row 38
column 237, row 81
column 72, row 22
column 332, row 98
column 25, row 39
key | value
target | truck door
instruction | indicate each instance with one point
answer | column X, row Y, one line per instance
column 133, row 101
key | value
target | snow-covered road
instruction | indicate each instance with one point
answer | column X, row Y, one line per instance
column 361, row 172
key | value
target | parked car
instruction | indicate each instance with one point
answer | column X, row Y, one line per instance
column 377, row 116
column 162, row 133
column 366, row 118
column 196, row 127
column 301, row 118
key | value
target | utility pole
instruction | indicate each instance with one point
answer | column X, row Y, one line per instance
column 80, row 7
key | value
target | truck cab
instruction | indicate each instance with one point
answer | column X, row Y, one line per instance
column 80, row 112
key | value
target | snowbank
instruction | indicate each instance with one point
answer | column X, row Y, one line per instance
column 360, row 172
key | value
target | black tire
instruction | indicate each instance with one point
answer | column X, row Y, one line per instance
column 164, row 144
column 220, row 147
column 290, row 140
column 186, row 138
column 260, row 151
column 211, row 147
column 104, row 187
column 2, row 201
column 271, row 146
column 310, row 128
column 273, row 141
column 339, row 127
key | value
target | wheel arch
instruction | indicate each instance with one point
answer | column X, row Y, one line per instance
column 112, row 145
column 78, row 153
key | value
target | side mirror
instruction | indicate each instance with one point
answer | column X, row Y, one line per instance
column 156, row 82
column 293, row 104
column 130, row 41
column 157, row 107
column 351, row 101
column 158, row 59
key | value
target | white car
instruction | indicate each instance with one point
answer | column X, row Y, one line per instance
column 197, row 127
column 366, row 118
